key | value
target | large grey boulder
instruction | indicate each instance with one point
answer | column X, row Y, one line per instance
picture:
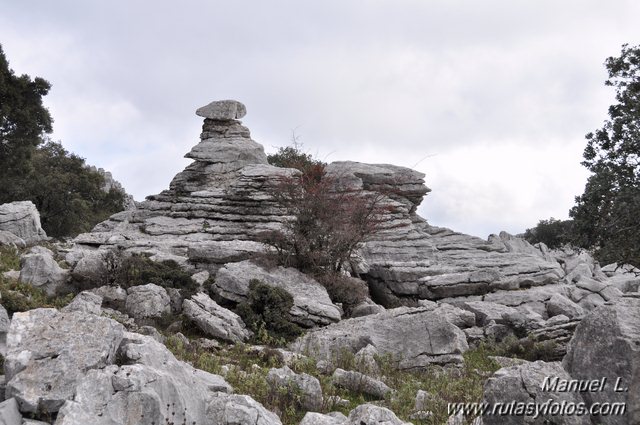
column 150, row 386
column 39, row 268
column 23, row 220
column 9, row 239
column 606, row 344
column 49, row 351
column 238, row 410
column 86, row 302
column 370, row 414
column 360, row 383
column 214, row 320
column 148, row 301
column 307, row 386
column 311, row 303
column 314, row 418
column 529, row 383
column 559, row 304
column 414, row 337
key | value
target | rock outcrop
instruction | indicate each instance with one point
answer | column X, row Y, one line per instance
column 606, row 344
column 214, row 320
column 413, row 337
column 40, row 269
column 524, row 385
column 311, row 303
column 22, row 219
column 216, row 211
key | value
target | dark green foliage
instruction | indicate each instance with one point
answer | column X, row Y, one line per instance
column 267, row 308
column 293, row 157
column 138, row 269
column 68, row 195
column 17, row 296
column 23, row 120
column 606, row 214
column 553, row 233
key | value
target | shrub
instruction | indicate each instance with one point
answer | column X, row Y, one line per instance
column 327, row 221
column 266, row 313
column 139, row 269
column 17, row 296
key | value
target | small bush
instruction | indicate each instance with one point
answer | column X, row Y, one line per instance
column 17, row 296
column 266, row 313
column 527, row 349
column 138, row 269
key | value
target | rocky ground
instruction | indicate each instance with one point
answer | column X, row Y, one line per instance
column 161, row 341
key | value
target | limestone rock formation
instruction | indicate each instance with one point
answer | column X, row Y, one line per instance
column 22, row 219
column 415, row 337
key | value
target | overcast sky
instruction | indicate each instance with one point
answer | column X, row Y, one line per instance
column 490, row 99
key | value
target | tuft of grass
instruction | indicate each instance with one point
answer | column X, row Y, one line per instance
column 249, row 368
column 17, row 296
column 9, row 259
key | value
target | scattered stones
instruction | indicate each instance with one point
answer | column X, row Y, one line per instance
column 215, row 320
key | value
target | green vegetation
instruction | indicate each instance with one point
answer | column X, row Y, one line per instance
column 18, row 296
column 553, row 233
column 9, row 259
column 248, row 368
column 266, row 313
column 68, row 195
column 139, row 269
column 606, row 214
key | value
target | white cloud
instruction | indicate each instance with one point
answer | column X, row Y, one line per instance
column 501, row 93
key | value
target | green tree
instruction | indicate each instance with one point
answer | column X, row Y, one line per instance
column 67, row 193
column 606, row 216
column 553, row 233
column 23, row 122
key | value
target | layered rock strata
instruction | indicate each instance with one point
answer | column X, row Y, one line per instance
column 217, row 209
